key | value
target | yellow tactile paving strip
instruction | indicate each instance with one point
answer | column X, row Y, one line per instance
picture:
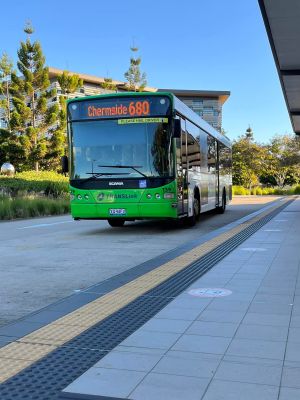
column 18, row 355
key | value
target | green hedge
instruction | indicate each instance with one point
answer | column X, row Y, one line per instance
column 31, row 182
column 27, row 208
column 241, row 191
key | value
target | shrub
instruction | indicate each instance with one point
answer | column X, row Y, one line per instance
column 240, row 191
column 31, row 207
column 30, row 182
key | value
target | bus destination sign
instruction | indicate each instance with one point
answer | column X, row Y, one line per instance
column 121, row 107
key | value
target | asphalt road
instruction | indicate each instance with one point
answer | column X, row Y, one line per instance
column 43, row 260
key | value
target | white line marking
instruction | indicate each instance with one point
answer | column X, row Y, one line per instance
column 42, row 225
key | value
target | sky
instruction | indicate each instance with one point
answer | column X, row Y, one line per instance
column 191, row 44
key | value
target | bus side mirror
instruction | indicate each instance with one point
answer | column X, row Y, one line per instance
column 64, row 164
column 177, row 128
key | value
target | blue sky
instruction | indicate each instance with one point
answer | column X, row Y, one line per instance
column 191, row 44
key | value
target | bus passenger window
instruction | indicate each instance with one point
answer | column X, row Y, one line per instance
column 211, row 154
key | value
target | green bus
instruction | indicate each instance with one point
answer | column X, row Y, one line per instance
column 144, row 155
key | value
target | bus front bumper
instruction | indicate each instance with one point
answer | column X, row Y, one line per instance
column 132, row 211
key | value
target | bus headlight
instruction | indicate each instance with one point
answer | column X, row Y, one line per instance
column 79, row 197
column 86, row 196
column 157, row 196
column 72, row 197
column 169, row 195
column 149, row 196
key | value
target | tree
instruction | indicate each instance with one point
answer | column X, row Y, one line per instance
column 6, row 67
column 11, row 149
column 136, row 80
column 283, row 159
column 68, row 83
column 33, row 117
column 109, row 85
column 248, row 160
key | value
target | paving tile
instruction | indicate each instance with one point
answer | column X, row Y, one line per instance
column 166, row 325
column 262, row 332
column 287, row 393
column 188, row 301
column 188, row 364
column 139, row 350
column 266, row 319
column 102, row 382
column 268, row 308
column 185, row 314
column 292, row 351
column 224, row 329
column 291, row 377
column 202, row 344
column 251, row 373
column 294, row 335
column 159, row 340
column 253, row 360
column 170, row 387
column 228, row 390
column 221, row 316
column 257, row 348
column 273, row 298
column 274, row 290
column 218, row 304
column 295, row 321
column 128, row 361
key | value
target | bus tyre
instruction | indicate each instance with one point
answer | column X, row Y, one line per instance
column 222, row 208
column 116, row 222
column 191, row 221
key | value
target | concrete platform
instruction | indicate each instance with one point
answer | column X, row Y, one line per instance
column 216, row 318
column 244, row 343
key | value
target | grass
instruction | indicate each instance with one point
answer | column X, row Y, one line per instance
column 27, row 207
column 241, row 191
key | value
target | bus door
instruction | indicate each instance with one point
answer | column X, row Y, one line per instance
column 182, row 171
column 212, row 171
column 218, row 175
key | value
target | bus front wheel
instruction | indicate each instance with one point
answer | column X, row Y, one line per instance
column 191, row 221
column 116, row 222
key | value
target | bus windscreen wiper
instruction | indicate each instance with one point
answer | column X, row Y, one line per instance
column 134, row 167
column 96, row 175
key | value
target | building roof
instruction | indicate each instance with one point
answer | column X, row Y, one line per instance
column 281, row 18
column 222, row 95
column 54, row 72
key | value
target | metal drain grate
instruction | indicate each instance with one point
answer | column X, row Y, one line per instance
column 45, row 379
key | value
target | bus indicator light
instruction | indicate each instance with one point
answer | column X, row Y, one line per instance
column 169, row 195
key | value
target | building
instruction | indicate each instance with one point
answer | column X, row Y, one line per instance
column 207, row 104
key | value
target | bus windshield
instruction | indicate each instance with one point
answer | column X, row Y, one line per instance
column 120, row 148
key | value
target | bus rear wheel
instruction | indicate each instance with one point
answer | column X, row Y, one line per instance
column 222, row 208
column 115, row 223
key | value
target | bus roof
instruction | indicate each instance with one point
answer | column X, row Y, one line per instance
column 178, row 106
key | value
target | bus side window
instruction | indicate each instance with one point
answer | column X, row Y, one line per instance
column 193, row 147
column 211, row 153
column 193, row 150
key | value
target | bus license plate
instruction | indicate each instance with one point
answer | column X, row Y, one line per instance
column 117, row 211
